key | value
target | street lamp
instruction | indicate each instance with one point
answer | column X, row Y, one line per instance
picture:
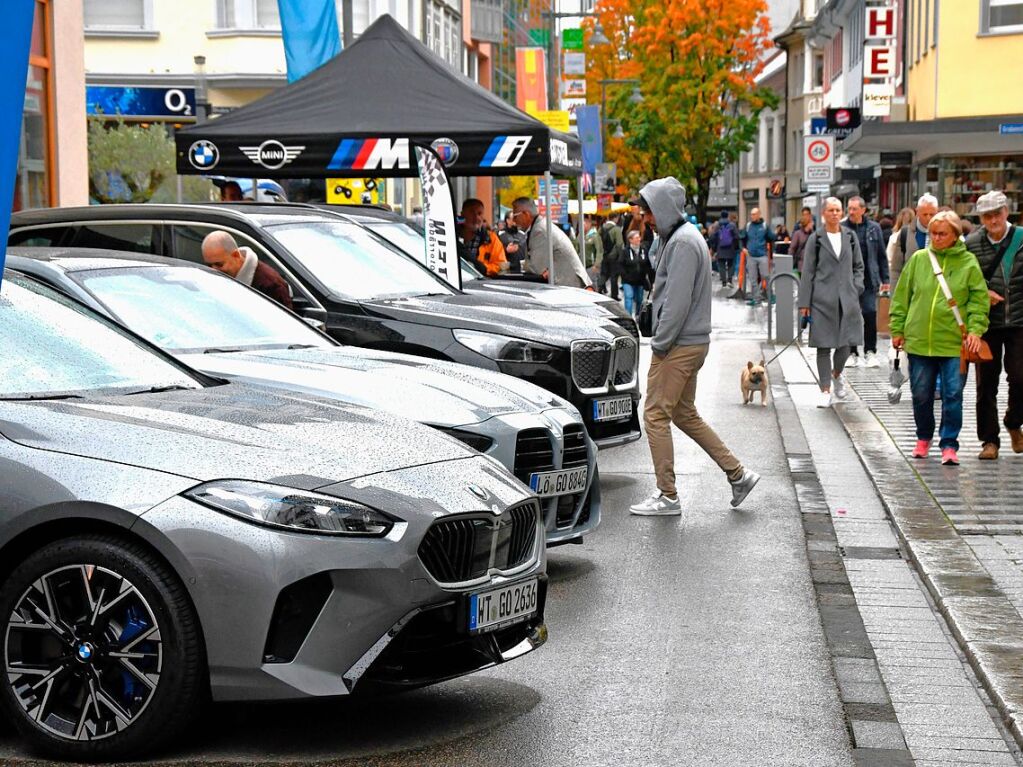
column 636, row 97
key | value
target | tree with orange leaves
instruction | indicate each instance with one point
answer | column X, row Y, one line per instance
column 696, row 62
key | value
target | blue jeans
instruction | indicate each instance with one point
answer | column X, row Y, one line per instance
column 923, row 377
column 633, row 298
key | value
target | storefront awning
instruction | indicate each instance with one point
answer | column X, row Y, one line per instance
column 930, row 138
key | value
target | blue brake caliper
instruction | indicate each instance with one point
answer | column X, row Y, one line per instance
column 135, row 623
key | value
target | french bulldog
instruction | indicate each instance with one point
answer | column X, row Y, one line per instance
column 754, row 379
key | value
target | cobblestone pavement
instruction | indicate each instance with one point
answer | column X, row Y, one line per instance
column 942, row 715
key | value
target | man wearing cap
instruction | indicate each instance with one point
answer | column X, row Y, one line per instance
column 681, row 339
column 998, row 245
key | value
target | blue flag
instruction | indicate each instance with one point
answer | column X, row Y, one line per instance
column 587, row 122
column 310, row 32
column 14, row 64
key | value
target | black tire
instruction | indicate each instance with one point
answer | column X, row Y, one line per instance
column 84, row 656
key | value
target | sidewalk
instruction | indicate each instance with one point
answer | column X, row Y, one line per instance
column 961, row 528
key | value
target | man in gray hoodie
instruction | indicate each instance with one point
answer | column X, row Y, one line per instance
column 681, row 310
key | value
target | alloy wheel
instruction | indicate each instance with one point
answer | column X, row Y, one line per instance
column 83, row 652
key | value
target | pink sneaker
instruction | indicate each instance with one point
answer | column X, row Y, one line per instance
column 923, row 446
column 949, row 457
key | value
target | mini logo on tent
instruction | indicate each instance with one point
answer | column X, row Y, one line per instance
column 505, row 151
column 370, row 153
column 446, row 149
column 272, row 153
column 203, row 155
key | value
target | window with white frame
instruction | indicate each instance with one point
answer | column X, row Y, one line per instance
column 1001, row 16
column 248, row 14
column 118, row 14
column 443, row 29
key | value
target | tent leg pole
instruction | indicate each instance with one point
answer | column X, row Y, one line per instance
column 582, row 222
column 550, row 233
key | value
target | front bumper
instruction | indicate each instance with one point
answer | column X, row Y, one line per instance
column 241, row 574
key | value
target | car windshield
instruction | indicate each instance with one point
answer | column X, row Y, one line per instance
column 53, row 347
column 353, row 263
column 198, row 310
column 410, row 241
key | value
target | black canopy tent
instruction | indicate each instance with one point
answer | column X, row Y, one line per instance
column 364, row 112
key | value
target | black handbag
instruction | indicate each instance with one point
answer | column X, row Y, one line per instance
column 646, row 319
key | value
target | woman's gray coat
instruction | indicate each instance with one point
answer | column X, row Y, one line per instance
column 830, row 287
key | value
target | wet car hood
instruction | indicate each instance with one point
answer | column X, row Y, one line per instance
column 417, row 388
column 558, row 296
column 495, row 312
column 230, row 431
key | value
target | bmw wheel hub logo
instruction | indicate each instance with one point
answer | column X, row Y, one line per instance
column 203, row 155
column 446, row 149
column 84, row 652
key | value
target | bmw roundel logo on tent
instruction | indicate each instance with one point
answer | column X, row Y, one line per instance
column 203, row 154
column 446, row 149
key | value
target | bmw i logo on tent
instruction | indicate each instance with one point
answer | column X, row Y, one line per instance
column 446, row 149
column 203, row 154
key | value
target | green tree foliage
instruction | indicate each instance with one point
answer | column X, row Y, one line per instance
column 129, row 162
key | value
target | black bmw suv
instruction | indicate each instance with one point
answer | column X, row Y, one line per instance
column 368, row 293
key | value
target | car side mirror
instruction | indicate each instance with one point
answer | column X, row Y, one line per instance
column 315, row 317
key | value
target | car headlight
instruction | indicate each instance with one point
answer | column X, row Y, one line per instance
column 504, row 348
column 479, row 442
column 291, row 509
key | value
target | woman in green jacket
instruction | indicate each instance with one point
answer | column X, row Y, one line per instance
column 922, row 321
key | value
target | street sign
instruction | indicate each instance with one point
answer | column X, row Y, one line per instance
column 573, row 64
column 818, row 188
column 819, row 160
column 553, row 118
column 572, row 39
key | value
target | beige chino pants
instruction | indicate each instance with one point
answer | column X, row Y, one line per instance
column 671, row 398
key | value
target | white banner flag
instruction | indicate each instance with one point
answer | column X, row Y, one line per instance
column 438, row 218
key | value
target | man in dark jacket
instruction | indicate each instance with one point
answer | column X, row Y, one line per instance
column 681, row 309
column 724, row 243
column 514, row 241
column 873, row 246
column 998, row 246
column 799, row 237
column 221, row 252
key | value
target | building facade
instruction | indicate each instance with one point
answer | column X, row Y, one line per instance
column 762, row 177
column 52, row 156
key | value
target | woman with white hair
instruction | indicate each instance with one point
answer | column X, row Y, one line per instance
column 829, row 298
column 934, row 330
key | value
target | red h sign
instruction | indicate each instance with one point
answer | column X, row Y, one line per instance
column 880, row 22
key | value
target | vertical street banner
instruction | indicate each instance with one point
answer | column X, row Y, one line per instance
column 531, row 80
column 311, row 35
column 14, row 65
column 438, row 218
column 587, row 122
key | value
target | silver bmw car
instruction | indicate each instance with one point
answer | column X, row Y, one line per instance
column 215, row 324
column 163, row 532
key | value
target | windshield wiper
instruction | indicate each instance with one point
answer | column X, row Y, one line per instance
column 158, row 389
column 303, row 346
column 34, row 397
column 215, row 350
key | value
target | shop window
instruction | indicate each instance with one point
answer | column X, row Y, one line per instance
column 963, row 179
column 999, row 16
column 248, row 15
column 124, row 15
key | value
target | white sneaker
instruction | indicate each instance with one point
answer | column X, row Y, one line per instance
column 657, row 506
column 838, row 387
column 853, row 361
column 825, row 399
column 871, row 361
column 743, row 485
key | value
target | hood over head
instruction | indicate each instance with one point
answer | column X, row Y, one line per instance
column 666, row 199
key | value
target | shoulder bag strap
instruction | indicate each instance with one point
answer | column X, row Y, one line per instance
column 1011, row 251
column 940, row 277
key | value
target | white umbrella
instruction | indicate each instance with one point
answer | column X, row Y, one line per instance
column 898, row 364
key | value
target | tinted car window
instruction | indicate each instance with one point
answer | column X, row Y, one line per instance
column 188, row 242
column 53, row 346
column 352, row 263
column 135, row 238
column 412, row 242
column 199, row 310
column 44, row 237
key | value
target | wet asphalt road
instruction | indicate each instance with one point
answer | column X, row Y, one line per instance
column 689, row 640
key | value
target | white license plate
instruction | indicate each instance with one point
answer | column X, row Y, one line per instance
column 493, row 609
column 564, row 482
column 612, row 409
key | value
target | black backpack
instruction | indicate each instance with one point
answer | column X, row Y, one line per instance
column 606, row 242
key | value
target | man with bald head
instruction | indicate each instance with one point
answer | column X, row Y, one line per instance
column 221, row 252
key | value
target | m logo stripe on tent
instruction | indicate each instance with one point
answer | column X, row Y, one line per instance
column 342, row 156
column 364, row 154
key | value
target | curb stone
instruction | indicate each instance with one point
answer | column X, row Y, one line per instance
column 980, row 614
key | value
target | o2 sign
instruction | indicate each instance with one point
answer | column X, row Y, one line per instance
column 177, row 102
column 140, row 102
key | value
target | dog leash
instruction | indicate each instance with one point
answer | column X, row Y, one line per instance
column 799, row 337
